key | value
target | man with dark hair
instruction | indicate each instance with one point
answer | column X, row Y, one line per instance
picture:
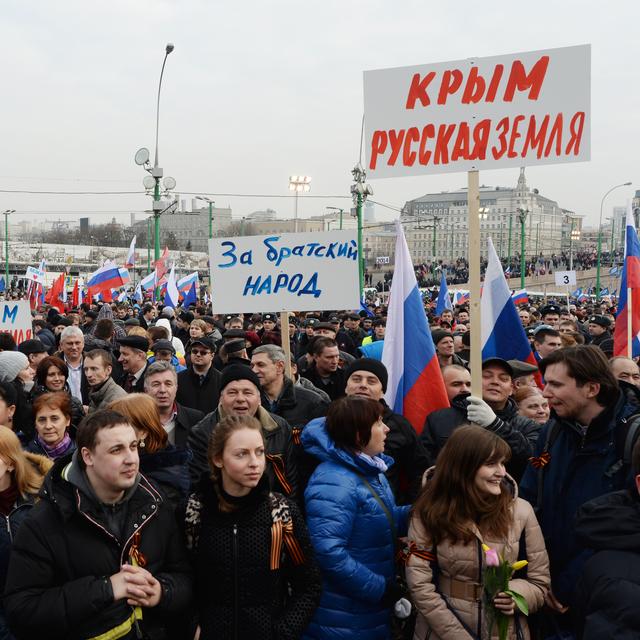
column 199, row 385
column 579, row 456
column 609, row 589
column 350, row 337
column 101, row 554
column 44, row 334
column 325, row 372
column 546, row 339
column 8, row 402
column 97, row 367
column 147, row 315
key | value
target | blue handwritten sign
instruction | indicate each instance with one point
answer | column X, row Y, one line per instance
column 286, row 272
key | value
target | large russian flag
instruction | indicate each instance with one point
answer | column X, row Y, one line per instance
column 503, row 335
column 630, row 280
column 415, row 387
column 106, row 277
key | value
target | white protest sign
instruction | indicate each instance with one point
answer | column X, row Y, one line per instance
column 15, row 318
column 287, row 272
column 35, row 274
column 566, row 278
column 521, row 109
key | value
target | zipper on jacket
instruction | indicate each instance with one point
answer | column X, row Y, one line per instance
column 236, row 602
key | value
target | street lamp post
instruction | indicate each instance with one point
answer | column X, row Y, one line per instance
column 142, row 159
column 435, row 233
column 522, row 217
column 211, row 204
column 359, row 191
column 148, row 244
column 341, row 213
column 6, row 247
column 624, row 184
column 298, row 184
column 509, row 248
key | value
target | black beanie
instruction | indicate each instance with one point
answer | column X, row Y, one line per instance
column 440, row 334
column 233, row 372
column 372, row 366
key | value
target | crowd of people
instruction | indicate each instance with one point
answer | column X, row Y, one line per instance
column 170, row 474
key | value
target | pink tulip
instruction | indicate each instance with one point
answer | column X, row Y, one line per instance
column 492, row 558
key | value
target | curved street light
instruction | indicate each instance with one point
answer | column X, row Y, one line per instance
column 624, row 184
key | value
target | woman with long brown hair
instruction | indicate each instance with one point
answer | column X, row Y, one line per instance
column 21, row 475
column 468, row 500
column 256, row 576
column 160, row 461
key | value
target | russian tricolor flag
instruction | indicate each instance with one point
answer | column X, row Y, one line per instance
column 149, row 282
column 460, row 298
column 520, row 297
column 415, row 386
column 131, row 255
column 106, row 277
column 171, row 296
column 503, row 335
column 630, row 280
column 184, row 284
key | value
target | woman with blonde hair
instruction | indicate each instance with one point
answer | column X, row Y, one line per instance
column 21, row 475
column 159, row 460
column 468, row 501
column 532, row 404
column 256, row 576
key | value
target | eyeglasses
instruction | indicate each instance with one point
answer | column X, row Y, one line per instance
column 198, row 352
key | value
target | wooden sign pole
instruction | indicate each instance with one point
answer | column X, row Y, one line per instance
column 473, row 195
column 629, row 322
column 286, row 344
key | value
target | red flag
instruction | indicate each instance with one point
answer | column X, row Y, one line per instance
column 161, row 264
column 53, row 295
column 75, row 295
column 107, row 295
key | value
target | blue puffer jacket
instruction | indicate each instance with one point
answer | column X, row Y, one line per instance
column 352, row 539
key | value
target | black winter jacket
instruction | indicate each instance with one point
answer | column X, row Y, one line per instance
column 247, row 599
column 58, row 579
column 410, row 457
column 520, row 433
column 296, row 405
column 609, row 591
column 191, row 394
column 185, row 419
column 281, row 455
column 335, row 386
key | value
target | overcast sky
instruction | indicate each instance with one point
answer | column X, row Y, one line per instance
column 256, row 91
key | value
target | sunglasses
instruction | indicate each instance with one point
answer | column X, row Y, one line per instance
column 198, row 352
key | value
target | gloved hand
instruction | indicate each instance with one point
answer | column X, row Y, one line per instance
column 392, row 593
column 479, row 412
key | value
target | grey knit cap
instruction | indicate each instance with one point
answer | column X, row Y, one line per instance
column 11, row 364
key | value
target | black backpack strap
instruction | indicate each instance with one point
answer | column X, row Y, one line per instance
column 625, row 449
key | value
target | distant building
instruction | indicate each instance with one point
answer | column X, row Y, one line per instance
column 267, row 214
column 445, row 215
column 190, row 229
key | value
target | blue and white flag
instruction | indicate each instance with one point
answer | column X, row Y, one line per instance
column 172, row 297
column 444, row 301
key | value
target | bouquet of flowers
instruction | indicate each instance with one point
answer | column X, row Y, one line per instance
column 497, row 574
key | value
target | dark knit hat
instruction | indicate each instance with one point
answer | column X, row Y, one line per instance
column 234, row 372
column 440, row 334
column 372, row 366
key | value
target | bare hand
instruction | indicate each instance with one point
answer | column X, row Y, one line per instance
column 197, row 634
column 143, row 590
column 504, row 603
column 554, row 604
column 119, row 585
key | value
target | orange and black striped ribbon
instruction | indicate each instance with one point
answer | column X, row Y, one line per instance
column 135, row 555
column 278, row 469
column 414, row 550
column 283, row 531
column 295, row 435
column 540, row 461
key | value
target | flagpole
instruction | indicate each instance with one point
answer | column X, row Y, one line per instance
column 629, row 322
column 285, row 342
column 473, row 197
